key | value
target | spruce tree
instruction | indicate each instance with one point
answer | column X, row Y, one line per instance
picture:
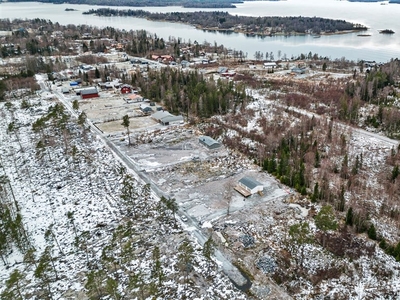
column 349, row 217
column 372, row 232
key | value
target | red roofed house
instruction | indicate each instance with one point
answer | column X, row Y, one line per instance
column 126, row 89
column 167, row 58
column 136, row 98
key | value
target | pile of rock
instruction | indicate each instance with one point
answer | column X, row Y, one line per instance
column 247, row 241
column 266, row 264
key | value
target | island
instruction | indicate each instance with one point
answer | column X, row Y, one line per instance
column 70, row 9
column 252, row 26
column 386, row 31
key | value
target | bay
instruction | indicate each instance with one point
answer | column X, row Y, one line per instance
column 377, row 47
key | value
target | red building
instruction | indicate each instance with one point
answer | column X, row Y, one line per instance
column 89, row 93
column 126, row 89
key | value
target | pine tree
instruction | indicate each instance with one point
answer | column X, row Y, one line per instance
column 75, row 105
column 44, row 271
column 315, row 195
column 208, row 251
column 300, row 234
column 157, row 272
column 186, row 258
column 94, row 284
column 14, row 287
column 82, row 118
column 325, row 219
column 129, row 195
column 173, row 207
column 111, row 288
column 126, row 123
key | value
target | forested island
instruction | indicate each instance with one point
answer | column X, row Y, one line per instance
column 184, row 3
column 223, row 21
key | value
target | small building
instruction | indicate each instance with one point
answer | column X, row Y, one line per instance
column 171, row 120
column 65, row 90
column 89, row 93
column 184, row 63
column 270, row 65
column 145, row 108
column 299, row 71
column 160, row 114
column 228, row 74
column 105, row 85
column 167, row 58
column 126, row 89
column 73, row 83
column 222, row 70
column 209, row 142
column 165, row 118
column 136, row 98
column 248, row 186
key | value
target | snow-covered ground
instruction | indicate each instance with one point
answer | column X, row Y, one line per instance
column 83, row 239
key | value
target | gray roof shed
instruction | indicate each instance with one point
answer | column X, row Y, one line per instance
column 160, row 114
column 209, row 142
column 89, row 91
column 171, row 119
column 249, row 182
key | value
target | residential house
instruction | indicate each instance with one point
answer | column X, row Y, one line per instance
column 270, row 65
column 248, row 186
column 126, row 89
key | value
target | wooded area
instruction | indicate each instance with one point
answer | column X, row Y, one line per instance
column 224, row 20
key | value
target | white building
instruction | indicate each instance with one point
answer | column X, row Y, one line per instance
column 248, row 186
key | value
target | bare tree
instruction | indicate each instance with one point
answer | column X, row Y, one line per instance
column 228, row 193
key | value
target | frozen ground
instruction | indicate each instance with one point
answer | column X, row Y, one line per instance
column 79, row 227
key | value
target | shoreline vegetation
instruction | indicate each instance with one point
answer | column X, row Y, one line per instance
column 251, row 26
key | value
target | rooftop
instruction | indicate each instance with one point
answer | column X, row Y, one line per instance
column 249, row 182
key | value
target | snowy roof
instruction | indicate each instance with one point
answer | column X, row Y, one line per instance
column 160, row 114
column 89, row 91
column 209, row 141
column 249, row 182
column 171, row 118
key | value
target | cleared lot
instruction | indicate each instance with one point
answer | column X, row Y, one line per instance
column 201, row 180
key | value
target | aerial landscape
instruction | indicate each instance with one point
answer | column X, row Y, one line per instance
column 212, row 149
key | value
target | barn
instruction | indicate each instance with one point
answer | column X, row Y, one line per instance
column 89, row 93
